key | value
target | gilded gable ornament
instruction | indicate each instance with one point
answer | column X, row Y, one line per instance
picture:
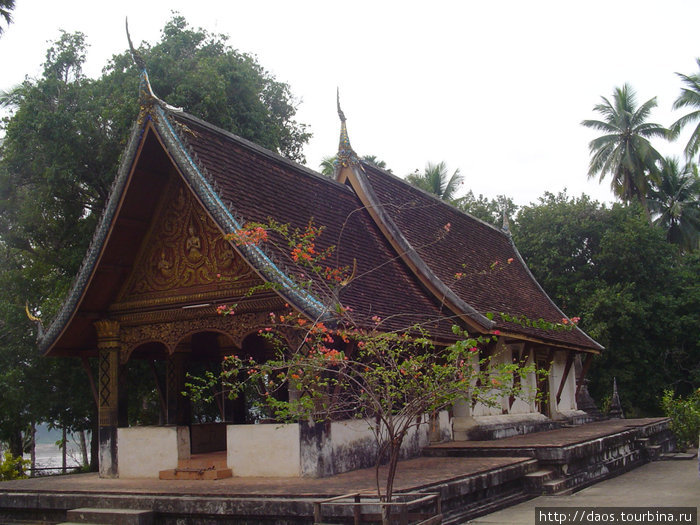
column 184, row 253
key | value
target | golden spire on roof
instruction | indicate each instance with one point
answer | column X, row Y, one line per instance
column 346, row 155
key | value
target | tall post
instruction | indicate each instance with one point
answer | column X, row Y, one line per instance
column 177, row 404
column 108, row 395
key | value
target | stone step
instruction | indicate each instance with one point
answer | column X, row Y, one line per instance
column 534, row 481
column 194, row 474
column 559, row 487
column 110, row 516
column 204, row 461
column 653, row 451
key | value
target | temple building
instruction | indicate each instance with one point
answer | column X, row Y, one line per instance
column 159, row 266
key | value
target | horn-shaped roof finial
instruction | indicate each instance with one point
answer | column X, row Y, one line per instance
column 346, row 155
column 146, row 96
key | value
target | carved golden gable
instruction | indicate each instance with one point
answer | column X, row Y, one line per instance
column 183, row 258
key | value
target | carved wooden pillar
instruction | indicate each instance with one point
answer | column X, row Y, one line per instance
column 178, row 405
column 108, row 395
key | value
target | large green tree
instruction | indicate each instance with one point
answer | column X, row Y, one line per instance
column 488, row 210
column 635, row 293
column 624, row 151
column 437, row 180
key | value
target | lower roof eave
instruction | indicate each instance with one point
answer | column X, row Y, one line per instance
column 546, row 342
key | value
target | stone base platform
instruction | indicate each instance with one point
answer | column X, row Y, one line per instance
column 574, row 457
column 475, row 483
column 472, row 477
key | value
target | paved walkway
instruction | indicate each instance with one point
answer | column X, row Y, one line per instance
column 658, row 484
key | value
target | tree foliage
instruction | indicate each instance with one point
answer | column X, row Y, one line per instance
column 436, row 179
column 634, row 292
column 6, row 7
column 675, row 203
column 491, row 211
column 689, row 99
column 685, row 417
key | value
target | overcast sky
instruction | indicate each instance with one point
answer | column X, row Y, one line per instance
column 496, row 89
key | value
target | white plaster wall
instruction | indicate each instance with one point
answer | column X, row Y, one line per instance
column 142, row 452
column 349, row 432
column 555, row 377
column 568, row 394
column 527, row 404
column 263, row 450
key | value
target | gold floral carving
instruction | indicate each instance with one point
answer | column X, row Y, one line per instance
column 171, row 333
column 183, row 254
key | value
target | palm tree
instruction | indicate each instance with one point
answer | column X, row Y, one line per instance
column 676, row 203
column 436, row 180
column 689, row 98
column 6, row 7
column 624, row 151
column 374, row 161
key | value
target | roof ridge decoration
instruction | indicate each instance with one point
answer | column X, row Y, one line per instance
column 346, row 155
column 506, row 223
column 147, row 98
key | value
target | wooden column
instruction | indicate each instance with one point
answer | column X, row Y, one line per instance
column 178, row 405
column 565, row 375
column 108, row 395
column 584, row 371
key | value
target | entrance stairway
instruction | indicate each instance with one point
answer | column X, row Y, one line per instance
column 573, row 457
column 211, row 465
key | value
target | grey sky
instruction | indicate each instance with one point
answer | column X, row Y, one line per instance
column 497, row 89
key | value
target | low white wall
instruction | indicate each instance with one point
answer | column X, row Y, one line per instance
column 263, row 450
column 353, row 444
column 142, row 452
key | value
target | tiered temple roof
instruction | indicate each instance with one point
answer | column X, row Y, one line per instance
column 418, row 260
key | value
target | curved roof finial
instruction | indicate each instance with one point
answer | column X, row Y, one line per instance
column 138, row 59
column 346, row 155
column 146, row 95
column 340, row 111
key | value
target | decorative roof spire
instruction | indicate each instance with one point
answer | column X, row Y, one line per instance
column 146, row 96
column 615, row 403
column 346, row 155
column 506, row 224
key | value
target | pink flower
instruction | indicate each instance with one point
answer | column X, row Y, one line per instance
column 496, row 332
column 447, row 227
